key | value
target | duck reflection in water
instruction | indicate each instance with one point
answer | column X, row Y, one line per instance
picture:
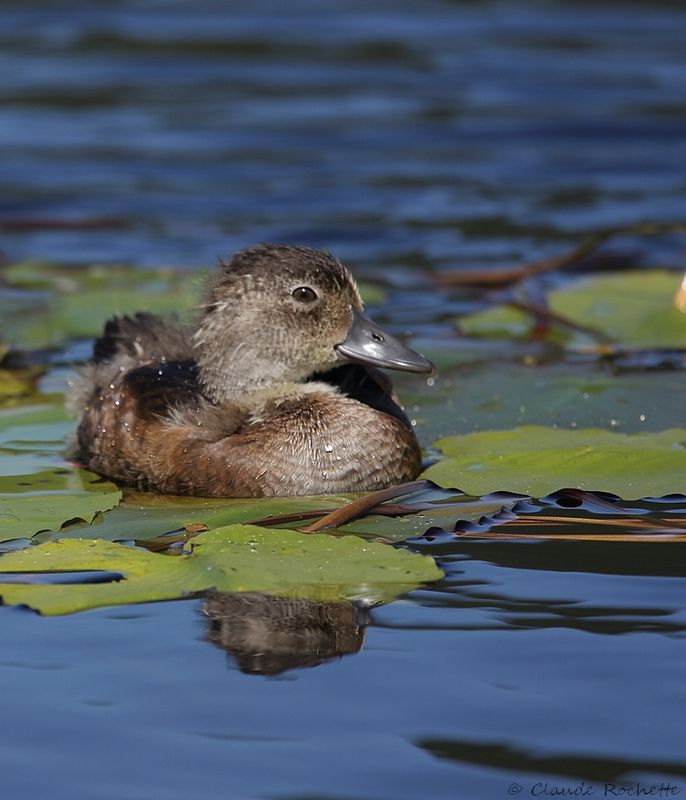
column 268, row 635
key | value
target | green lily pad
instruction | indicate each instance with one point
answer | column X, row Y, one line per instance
column 635, row 309
column 501, row 395
column 237, row 558
column 45, row 409
column 39, row 491
column 62, row 303
column 146, row 516
column 18, row 382
column 535, row 460
column 32, row 437
column 47, row 500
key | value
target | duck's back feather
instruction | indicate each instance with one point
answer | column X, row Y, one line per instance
column 144, row 337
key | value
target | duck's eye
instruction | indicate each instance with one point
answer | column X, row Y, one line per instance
column 303, row 294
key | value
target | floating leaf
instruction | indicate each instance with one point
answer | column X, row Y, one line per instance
column 47, row 499
column 38, row 490
column 79, row 300
column 147, row 516
column 18, row 382
column 237, row 558
column 504, row 395
column 635, row 309
column 535, row 460
column 32, row 437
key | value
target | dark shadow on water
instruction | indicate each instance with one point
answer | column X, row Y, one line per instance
column 264, row 635
column 645, row 559
column 581, row 767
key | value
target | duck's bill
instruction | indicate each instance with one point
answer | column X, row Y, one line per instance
column 367, row 343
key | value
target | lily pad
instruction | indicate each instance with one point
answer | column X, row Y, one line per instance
column 62, row 303
column 635, row 309
column 32, row 437
column 237, row 558
column 146, row 516
column 38, row 490
column 47, row 500
column 18, row 382
column 535, row 460
column 501, row 395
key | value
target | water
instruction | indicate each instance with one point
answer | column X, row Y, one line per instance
column 406, row 137
column 516, row 669
column 394, row 133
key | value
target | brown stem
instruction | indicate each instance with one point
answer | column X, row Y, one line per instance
column 363, row 505
column 382, row 510
column 613, row 522
column 663, row 536
column 551, row 316
column 507, row 275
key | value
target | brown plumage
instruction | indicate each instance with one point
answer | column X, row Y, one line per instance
column 269, row 393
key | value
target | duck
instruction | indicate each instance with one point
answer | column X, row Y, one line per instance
column 275, row 388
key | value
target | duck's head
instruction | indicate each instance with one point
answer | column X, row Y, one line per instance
column 277, row 314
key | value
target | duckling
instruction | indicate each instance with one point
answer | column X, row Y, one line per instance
column 273, row 391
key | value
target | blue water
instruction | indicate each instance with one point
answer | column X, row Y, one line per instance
column 406, row 137
column 510, row 672
column 391, row 132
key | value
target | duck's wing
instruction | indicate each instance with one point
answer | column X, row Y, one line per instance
column 156, row 390
column 143, row 337
column 126, row 344
column 142, row 367
column 118, row 407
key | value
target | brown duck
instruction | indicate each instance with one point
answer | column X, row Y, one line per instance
column 274, row 391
